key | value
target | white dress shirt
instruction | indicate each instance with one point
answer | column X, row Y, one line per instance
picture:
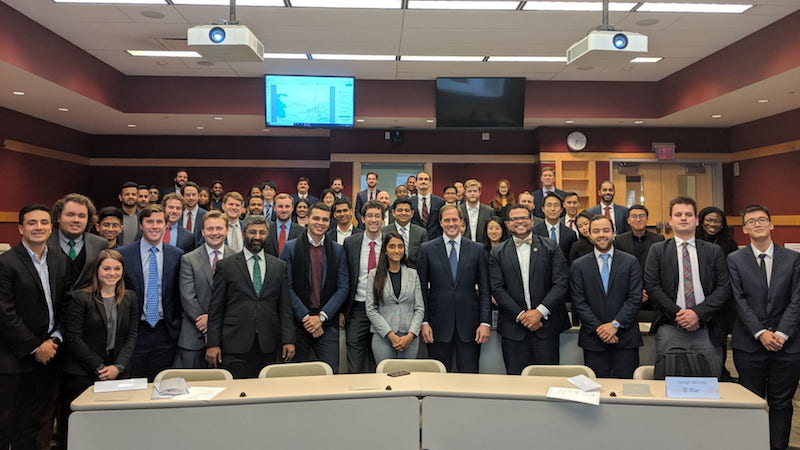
column 699, row 296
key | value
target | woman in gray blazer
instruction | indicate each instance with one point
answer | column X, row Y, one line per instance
column 394, row 303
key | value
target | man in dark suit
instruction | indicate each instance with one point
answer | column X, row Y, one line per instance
column 475, row 213
column 303, row 186
column 766, row 343
column 29, row 332
column 268, row 192
column 548, row 180
column 370, row 193
column 687, row 282
column 552, row 227
column 607, row 207
column 72, row 216
column 192, row 218
column 637, row 242
column 363, row 251
column 457, row 316
column 250, row 314
column 109, row 225
column 529, row 278
column 605, row 288
column 413, row 235
column 149, row 263
column 572, row 202
column 197, row 276
column 181, row 177
column 343, row 226
column 128, row 193
column 283, row 229
column 337, row 185
column 175, row 234
column 316, row 268
column 426, row 207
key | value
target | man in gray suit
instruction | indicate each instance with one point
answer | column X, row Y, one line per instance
column 766, row 343
column 413, row 235
column 196, row 281
column 475, row 213
column 72, row 215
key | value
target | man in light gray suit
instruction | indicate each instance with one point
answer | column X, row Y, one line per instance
column 196, row 280
column 413, row 235
column 73, row 215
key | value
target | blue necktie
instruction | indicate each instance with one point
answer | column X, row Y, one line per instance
column 453, row 258
column 151, row 296
column 604, row 271
column 553, row 234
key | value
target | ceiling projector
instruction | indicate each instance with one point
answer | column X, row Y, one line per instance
column 225, row 43
column 607, row 48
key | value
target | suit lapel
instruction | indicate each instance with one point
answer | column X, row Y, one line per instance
column 462, row 259
column 241, row 263
column 445, row 260
column 26, row 261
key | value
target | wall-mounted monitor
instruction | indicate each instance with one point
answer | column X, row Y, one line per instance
column 480, row 102
column 308, row 101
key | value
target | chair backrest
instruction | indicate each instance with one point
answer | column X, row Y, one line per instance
column 558, row 371
column 643, row 373
column 302, row 369
column 411, row 365
column 194, row 374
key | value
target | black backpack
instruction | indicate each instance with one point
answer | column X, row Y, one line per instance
column 680, row 362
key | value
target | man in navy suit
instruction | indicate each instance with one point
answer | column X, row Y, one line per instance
column 283, row 229
column 457, row 315
column 426, row 207
column 529, row 282
column 370, row 193
column 687, row 282
column 766, row 344
column 192, row 218
column 149, row 263
column 180, row 179
column 337, row 185
column 553, row 227
column 174, row 233
column 548, row 180
column 303, row 186
column 607, row 207
column 605, row 288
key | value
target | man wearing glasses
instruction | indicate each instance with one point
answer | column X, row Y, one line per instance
column 766, row 287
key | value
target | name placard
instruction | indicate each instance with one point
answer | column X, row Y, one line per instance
column 692, row 387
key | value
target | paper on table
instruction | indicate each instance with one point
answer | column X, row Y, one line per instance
column 200, row 393
column 574, row 395
column 132, row 384
column 585, row 383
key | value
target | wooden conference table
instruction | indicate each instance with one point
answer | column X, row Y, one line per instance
column 463, row 411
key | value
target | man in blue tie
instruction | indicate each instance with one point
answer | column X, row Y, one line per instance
column 151, row 270
column 553, row 227
column 606, row 292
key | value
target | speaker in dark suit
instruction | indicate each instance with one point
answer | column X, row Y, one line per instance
column 250, row 313
column 457, row 314
column 685, row 315
column 530, row 323
column 606, row 293
column 766, row 335
column 30, row 332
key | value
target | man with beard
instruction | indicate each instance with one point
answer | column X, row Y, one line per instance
column 607, row 207
column 250, row 313
column 337, row 185
column 142, row 196
column 181, row 177
column 368, row 194
column 193, row 214
column 130, row 219
column 73, row 215
column 605, row 288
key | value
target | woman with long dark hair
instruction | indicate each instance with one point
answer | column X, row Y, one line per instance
column 503, row 198
column 394, row 303
column 495, row 231
column 300, row 215
column 583, row 245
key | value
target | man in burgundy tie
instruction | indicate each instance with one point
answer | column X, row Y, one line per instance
column 196, row 277
column 362, row 255
column 193, row 214
column 688, row 282
column 572, row 204
column 607, row 207
column 283, row 229
column 370, row 193
column 426, row 206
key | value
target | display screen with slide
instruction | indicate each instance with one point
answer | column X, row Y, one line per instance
column 309, row 101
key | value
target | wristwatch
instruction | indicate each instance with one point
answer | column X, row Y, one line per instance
column 615, row 323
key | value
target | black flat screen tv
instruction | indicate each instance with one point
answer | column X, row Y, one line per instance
column 480, row 102
column 308, row 101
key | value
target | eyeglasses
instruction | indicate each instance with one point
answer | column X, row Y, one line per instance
column 763, row 220
column 638, row 216
column 518, row 219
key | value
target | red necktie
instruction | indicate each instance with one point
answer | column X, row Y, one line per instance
column 607, row 211
column 425, row 213
column 281, row 239
column 571, row 221
column 166, row 236
column 189, row 221
column 371, row 257
column 372, row 195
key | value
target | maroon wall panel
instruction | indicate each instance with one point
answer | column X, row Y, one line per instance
column 771, row 181
column 784, row 127
column 30, row 130
column 637, row 140
column 456, row 142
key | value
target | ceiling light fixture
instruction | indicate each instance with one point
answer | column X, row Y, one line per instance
column 360, row 120
column 18, row 92
column 129, row 2
column 577, row 6
column 716, row 116
column 200, row 127
column 63, row 109
column 647, row 59
column 131, row 125
column 463, row 5
column 569, row 121
column 217, row 118
column 441, row 58
column 763, row 100
column 720, row 8
column 335, row 57
column 227, row 2
column 638, row 122
column 556, row 59
column 285, row 56
column 164, row 53
column 358, row 4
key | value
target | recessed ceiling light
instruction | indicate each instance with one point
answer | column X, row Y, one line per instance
column 569, row 121
column 62, row 109
column 647, row 59
column 763, row 100
column 723, row 8
column 200, row 127
column 164, row 53
column 285, row 56
column 716, row 116
column 265, row 129
column 360, row 120
column 370, row 4
column 442, row 58
column 455, row 4
column 334, row 57
column 217, row 118
column 429, row 120
column 557, row 59
column 638, row 122
column 227, row 2
column 131, row 125
column 576, row 6
column 17, row 92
